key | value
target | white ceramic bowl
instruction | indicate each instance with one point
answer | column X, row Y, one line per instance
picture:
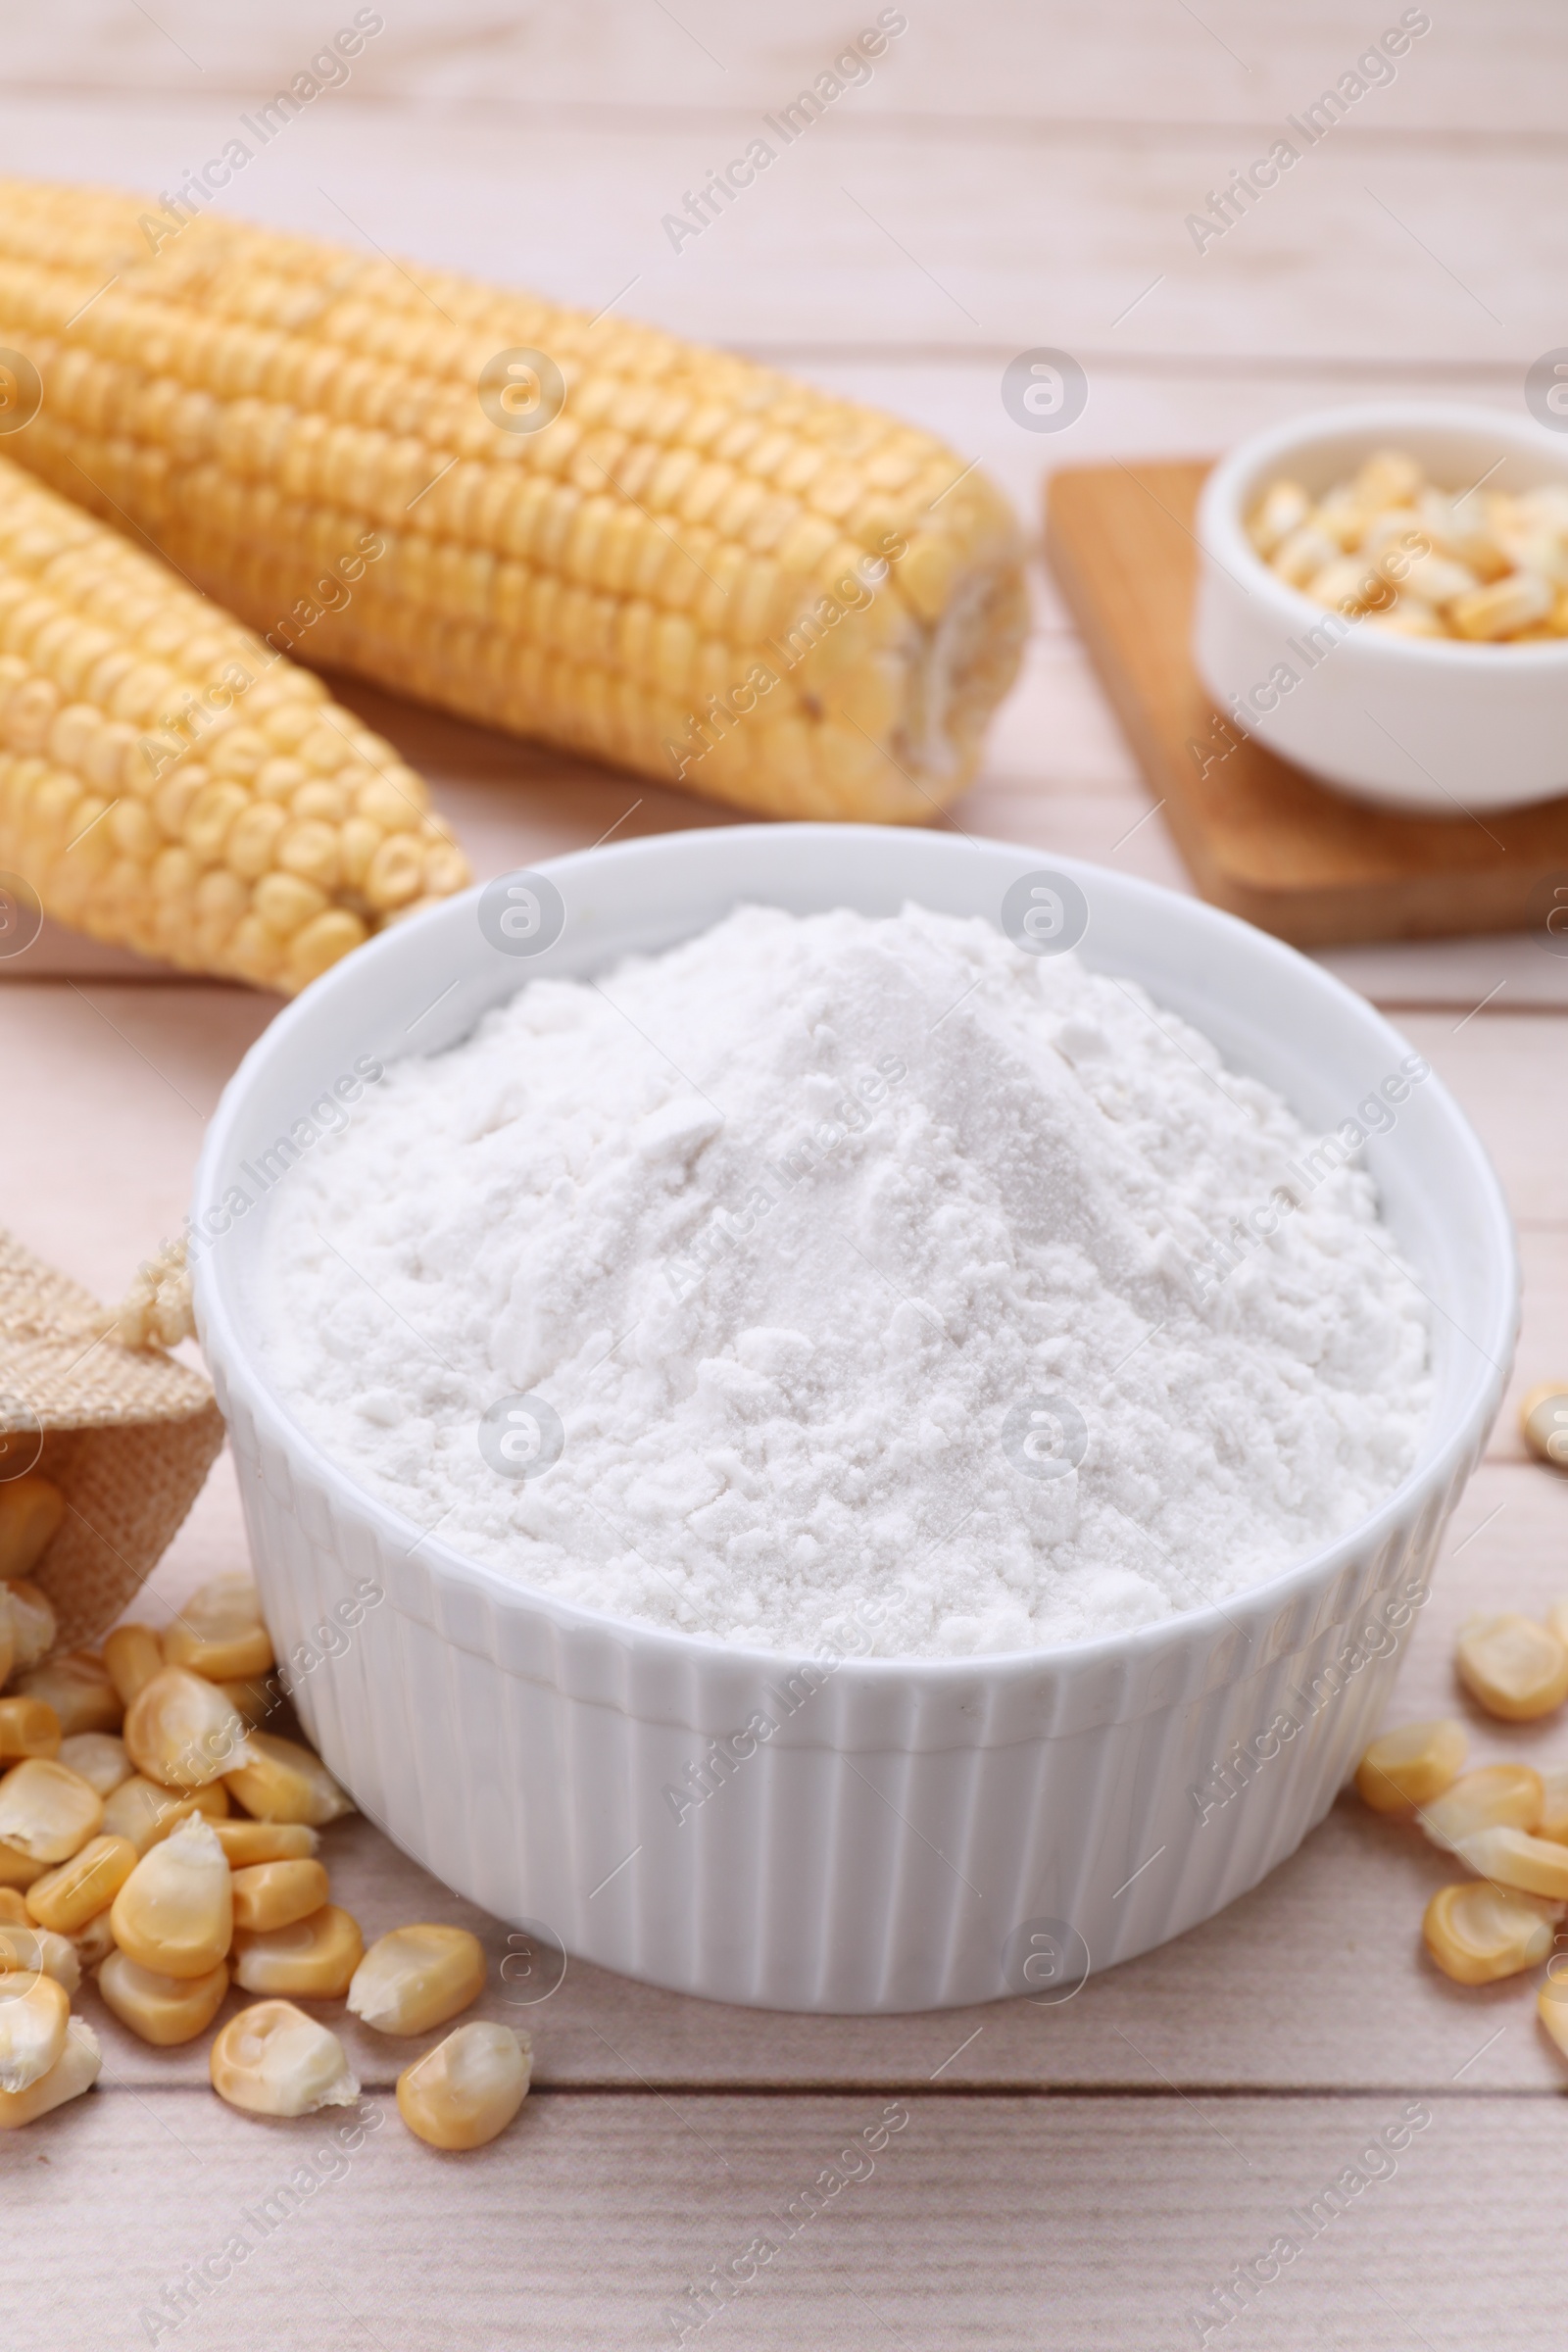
column 916, row 1832
column 1413, row 724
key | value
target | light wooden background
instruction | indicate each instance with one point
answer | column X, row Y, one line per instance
column 1015, row 175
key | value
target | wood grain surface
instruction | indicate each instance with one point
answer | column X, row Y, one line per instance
column 1016, row 174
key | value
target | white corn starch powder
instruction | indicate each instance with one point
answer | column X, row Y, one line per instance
column 850, row 1260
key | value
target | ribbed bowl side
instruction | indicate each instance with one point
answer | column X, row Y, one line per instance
column 907, row 1826
column 881, row 1850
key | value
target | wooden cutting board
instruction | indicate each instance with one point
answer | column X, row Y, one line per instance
column 1260, row 837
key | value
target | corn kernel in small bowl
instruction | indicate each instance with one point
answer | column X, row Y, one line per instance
column 1382, row 600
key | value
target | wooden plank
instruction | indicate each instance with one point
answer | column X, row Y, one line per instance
column 850, row 237
column 1459, row 974
column 1143, row 402
column 1047, row 2223
column 118, row 1082
column 1258, row 835
column 1523, row 1121
column 1221, row 66
column 1544, row 1257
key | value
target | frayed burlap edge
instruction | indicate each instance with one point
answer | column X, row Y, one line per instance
column 127, row 1433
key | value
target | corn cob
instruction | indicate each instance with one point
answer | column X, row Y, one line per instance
column 150, row 796
column 693, row 567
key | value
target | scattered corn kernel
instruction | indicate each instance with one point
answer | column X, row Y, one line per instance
column 220, row 1633
column 1513, row 1858
column 18, row 1869
column 272, row 2059
column 162, row 2009
column 27, row 1728
column 41, row 1951
column 280, row 1781
column 99, row 1757
column 32, row 1626
column 31, row 1508
column 1551, row 2007
column 416, row 1978
column 1495, row 1797
column 1478, row 1933
column 315, row 1959
column 1513, row 1666
column 78, row 1690
column 176, row 1912
column 247, row 1843
column 74, row 2071
column 468, row 2088
column 66, row 1898
column 1554, row 1822
column 132, row 1655
column 47, row 1811
column 1543, row 1423
column 34, row 2010
column 182, row 1732
column 253, row 1698
column 150, row 1895
column 144, row 1811
column 275, row 1894
column 1408, row 1767
column 93, row 1943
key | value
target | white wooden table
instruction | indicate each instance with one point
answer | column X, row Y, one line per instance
column 1013, row 176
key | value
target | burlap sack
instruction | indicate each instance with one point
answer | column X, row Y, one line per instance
column 127, row 1433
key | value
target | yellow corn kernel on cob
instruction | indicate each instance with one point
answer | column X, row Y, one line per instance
column 594, row 533
column 170, row 783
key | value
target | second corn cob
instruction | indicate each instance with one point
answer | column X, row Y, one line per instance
column 663, row 555
column 170, row 783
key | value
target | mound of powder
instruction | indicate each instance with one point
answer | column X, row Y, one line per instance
column 861, row 1260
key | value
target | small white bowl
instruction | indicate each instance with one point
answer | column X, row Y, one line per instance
column 916, row 1833
column 1410, row 722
